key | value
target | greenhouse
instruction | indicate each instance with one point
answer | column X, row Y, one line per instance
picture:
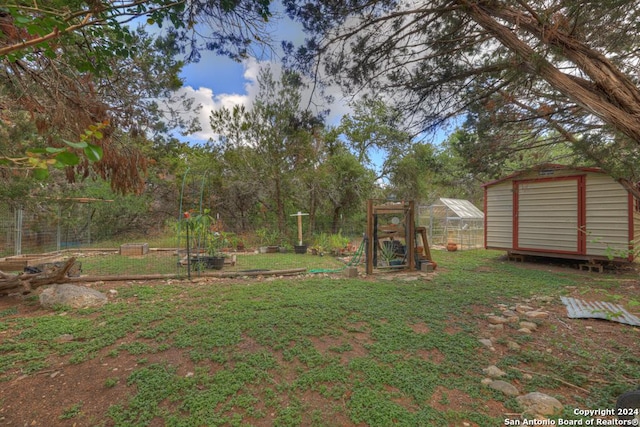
column 453, row 221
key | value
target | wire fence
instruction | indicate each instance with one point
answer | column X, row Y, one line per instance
column 41, row 238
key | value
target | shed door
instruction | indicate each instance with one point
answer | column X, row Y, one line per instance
column 549, row 215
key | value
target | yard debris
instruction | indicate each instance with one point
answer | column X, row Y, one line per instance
column 580, row 309
column 24, row 283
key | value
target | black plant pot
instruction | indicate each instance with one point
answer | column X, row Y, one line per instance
column 300, row 249
column 214, row 262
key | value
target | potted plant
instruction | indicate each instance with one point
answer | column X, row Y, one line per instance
column 206, row 244
column 261, row 233
column 215, row 242
column 268, row 240
column 199, row 241
column 284, row 247
column 272, row 238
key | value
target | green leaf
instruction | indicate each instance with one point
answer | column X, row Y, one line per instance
column 41, row 173
column 34, row 29
column 53, row 150
column 83, row 66
column 37, row 151
column 80, row 144
column 68, row 159
column 93, row 152
column 19, row 19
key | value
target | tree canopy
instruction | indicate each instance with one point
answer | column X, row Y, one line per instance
column 102, row 28
column 58, row 103
column 530, row 73
column 69, row 66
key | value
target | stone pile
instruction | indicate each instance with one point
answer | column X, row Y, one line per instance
column 522, row 319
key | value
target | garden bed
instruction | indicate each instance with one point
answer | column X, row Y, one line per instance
column 19, row 262
column 173, row 262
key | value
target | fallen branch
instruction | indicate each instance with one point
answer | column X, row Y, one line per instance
column 25, row 283
column 555, row 378
column 182, row 276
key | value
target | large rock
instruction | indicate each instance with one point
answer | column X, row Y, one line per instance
column 497, row 320
column 528, row 325
column 537, row 403
column 71, row 296
column 494, row 372
column 504, row 387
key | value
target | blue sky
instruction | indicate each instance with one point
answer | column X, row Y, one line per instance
column 217, row 73
column 216, row 81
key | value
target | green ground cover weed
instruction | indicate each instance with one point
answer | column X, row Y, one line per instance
column 316, row 350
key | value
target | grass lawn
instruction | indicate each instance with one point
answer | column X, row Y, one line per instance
column 316, row 350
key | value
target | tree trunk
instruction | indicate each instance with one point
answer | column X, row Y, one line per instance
column 279, row 205
column 336, row 219
column 312, row 208
column 594, row 97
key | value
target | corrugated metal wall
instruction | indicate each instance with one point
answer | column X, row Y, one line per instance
column 548, row 215
column 499, row 214
column 607, row 216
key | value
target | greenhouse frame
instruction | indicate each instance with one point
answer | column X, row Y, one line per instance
column 453, row 221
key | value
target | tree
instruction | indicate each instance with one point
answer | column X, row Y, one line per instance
column 274, row 138
column 227, row 27
column 72, row 64
column 494, row 158
column 374, row 129
column 347, row 184
column 560, row 70
column 236, row 178
column 414, row 175
column 61, row 103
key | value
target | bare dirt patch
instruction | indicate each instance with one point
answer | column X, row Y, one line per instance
column 420, row 328
column 433, row 355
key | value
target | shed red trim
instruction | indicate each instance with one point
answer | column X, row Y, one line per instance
column 484, row 209
column 546, row 166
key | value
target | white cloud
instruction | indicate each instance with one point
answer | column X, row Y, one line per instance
column 210, row 101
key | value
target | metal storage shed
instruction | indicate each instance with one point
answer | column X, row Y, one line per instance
column 561, row 211
column 453, row 220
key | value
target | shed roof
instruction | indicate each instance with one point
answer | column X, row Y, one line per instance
column 462, row 208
